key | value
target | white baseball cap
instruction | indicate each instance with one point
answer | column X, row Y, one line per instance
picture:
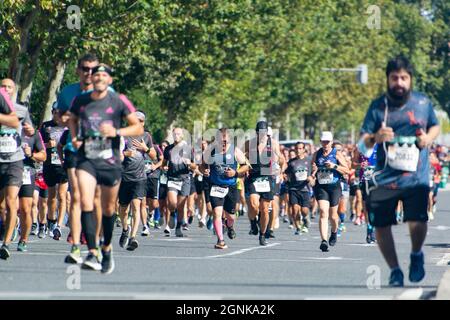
column 326, row 136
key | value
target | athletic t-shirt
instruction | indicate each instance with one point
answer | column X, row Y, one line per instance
column 10, row 139
column 175, row 154
column 134, row 167
column 51, row 130
column 92, row 114
column 36, row 144
column 417, row 113
column 298, row 171
column 148, row 162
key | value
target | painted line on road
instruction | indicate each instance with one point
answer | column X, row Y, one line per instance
column 410, row 294
column 242, row 251
column 361, row 244
column 374, row 297
column 444, row 260
column 441, row 228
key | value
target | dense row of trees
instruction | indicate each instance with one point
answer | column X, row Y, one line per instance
column 230, row 61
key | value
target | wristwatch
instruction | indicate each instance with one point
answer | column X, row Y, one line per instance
column 336, row 166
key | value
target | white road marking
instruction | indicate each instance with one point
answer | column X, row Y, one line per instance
column 374, row 297
column 410, row 294
column 444, row 260
column 361, row 244
column 242, row 251
column 441, row 228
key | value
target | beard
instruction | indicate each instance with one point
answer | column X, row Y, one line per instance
column 398, row 96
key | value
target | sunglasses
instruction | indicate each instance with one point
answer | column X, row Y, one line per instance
column 86, row 69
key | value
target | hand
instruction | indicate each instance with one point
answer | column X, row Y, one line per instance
column 139, row 145
column 384, row 134
column 329, row 165
column 314, row 167
column 423, row 140
column 186, row 161
column 107, row 130
column 28, row 129
column 281, row 178
column 230, row 173
column 364, row 164
column 166, row 168
column 27, row 151
column 206, row 172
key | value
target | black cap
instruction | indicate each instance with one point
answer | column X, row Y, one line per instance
column 261, row 125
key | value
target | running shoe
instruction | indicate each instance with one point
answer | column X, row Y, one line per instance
column 291, row 226
column 297, row 231
column 306, row 222
column 107, row 262
column 285, row 219
column 333, row 239
column 185, row 227
column 373, row 238
column 22, row 246
column 357, row 221
column 342, row 227
column 91, row 262
column 74, row 257
column 352, row 217
column 190, row 219
column 269, row 234
column 220, row 245
column 34, row 229
column 132, row 244
column 201, row 223
column 178, row 233
column 4, row 252
column 42, row 231
column 416, row 269
column 157, row 226
column 262, row 240
column 118, row 222
column 167, row 231
column 324, row 246
column 304, row 229
column 396, row 278
column 145, row 231
column 231, row 233
column 15, row 233
column 124, row 237
column 57, row 232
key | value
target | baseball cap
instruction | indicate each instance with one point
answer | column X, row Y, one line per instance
column 326, row 136
column 261, row 125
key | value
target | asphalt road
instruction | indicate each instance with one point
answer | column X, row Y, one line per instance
column 290, row 267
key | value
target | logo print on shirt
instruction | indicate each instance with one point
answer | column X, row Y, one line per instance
column 109, row 110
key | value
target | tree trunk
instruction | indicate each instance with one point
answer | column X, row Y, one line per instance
column 29, row 73
column 56, row 78
column 18, row 51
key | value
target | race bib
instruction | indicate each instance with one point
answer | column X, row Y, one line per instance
column 163, row 179
column 356, row 181
column 175, row 184
column 431, row 180
column 200, row 178
column 368, row 172
column 325, row 176
column 148, row 167
column 8, row 143
column 218, row 192
column 26, row 176
column 403, row 157
column 98, row 148
column 301, row 175
column 262, row 185
column 55, row 159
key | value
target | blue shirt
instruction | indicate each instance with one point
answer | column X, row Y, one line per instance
column 68, row 93
column 417, row 113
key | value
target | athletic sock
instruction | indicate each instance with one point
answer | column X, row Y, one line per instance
column 88, row 224
column 342, row 217
column 157, row 215
column 108, row 227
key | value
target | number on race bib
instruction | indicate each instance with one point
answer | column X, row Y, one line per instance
column 26, row 176
column 301, row 175
column 55, row 159
column 325, row 176
column 8, row 144
column 148, row 167
column 218, row 192
column 404, row 158
column 262, row 185
column 163, row 179
column 368, row 172
column 99, row 148
column 175, row 184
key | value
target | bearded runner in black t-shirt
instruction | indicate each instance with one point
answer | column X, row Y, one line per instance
column 133, row 186
column 178, row 156
column 95, row 128
column 10, row 172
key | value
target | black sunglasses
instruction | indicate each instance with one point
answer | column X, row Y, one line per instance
column 86, row 69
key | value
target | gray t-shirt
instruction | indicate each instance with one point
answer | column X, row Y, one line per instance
column 134, row 167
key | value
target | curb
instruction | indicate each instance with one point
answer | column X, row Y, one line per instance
column 443, row 292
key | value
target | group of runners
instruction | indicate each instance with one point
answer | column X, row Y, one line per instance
column 94, row 167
